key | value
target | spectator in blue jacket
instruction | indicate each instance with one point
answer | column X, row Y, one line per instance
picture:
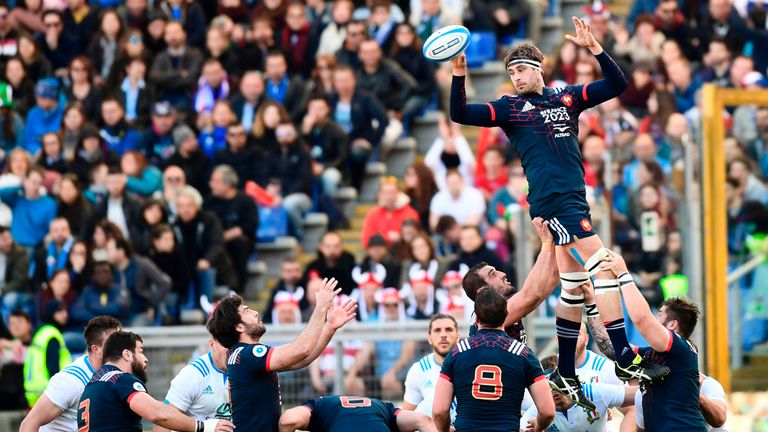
column 101, row 297
column 32, row 211
column 45, row 116
column 116, row 132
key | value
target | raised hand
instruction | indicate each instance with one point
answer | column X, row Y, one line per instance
column 542, row 229
column 459, row 65
column 584, row 36
column 326, row 293
column 614, row 263
column 341, row 314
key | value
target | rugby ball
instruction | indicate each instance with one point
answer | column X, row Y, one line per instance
column 446, row 43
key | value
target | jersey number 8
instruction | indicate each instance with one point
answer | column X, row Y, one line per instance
column 354, row 402
column 487, row 383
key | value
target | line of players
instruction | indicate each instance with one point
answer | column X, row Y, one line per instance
column 483, row 379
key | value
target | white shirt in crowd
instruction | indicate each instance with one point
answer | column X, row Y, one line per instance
column 200, row 390
column 469, row 203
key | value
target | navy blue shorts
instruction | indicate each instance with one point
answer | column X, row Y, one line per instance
column 568, row 216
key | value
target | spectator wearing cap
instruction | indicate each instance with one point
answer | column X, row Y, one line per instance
column 285, row 309
column 56, row 44
column 119, row 208
column 133, row 92
column 175, row 70
column 45, row 116
column 423, row 300
column 158, row 142
column 377, row 252
column 239, row 219
column 11, row 123
column 15, row 290
column 289, row 282
column 116, row 132
column 387, row 217
column 456, row 302
column 369, row 278
column 32, row 210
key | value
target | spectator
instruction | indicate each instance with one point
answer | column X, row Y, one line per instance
column 56, row 43
column 18, row 163
column 200, row 237
column 81, row 21
column 645, row 43
column 15, row 289
column 239, row 219
column 213, row 128
column 290, row 175
column 446, row 237
column 146, row 284
column 11, row 123
column 103, row 46
column 167, row 256
column 8, row 37
column 420, row 187
column 91, row 154
column 512, row 196
column 132, row 92
column 51, row 157
column 377, row 252
column 494, row 175
column 188, row 14
column 153, row 214
column 328, row 143
column 456, row 303
column 80, row 265
column 465, row 203
column 382, row 24
column 661, row 105
column 323, row 370
column 449, row 151
column 190, row 157
column 672, row 23
column 247, row 103
column 717, row 63
column 212, row 87
column 645, row 150
column 118, row 134
column 217, row 47
column 285, row 309
column 387, row 217
column 73, row 125
column 721, row 19
column 289, row 282
column 369, row 280
column 45, row 116
column 758, row 148
column 158, row 141
column 295, row 39
column 269, row 116
column 47, row 348
column 241, row 155
column 14, row 352
column 32, row 211
column 142, row 179
column 747, row 118
column 81, row 88
column 283, row 88
column 103, row 231
column 334, row 35
column 175, row 70
column 752, row 189
column 355, row 112
column 422, row 262
column 355, row 35
column 740, row 69
column 406, row 52
column 57, row 288
column 672, row 147
column 119, row 207
column 401, row 249
column 34, row 63
column 101, row 297
column 332, row 262
column 23, row 88
column 53, row 254
column 635, row 97
column 174, row 179
column 474, row 251
column 431, row 16
column 262, row 40
column 684, row 85
column 419, row 289
column 502, row 18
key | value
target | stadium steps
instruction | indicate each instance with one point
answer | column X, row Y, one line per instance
column 274, row 253
column 750, row 378
column 315, row 225
column 401, row 156
column 424, row 130
column 345, row 198
column 370, row 188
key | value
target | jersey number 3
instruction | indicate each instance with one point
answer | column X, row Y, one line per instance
column 354, row 402
column 86, row 415
column 487, row 383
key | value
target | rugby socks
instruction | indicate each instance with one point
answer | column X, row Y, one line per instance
column 618, row 335
column 567, row 335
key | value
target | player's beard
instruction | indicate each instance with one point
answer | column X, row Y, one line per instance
column 139, row 370
column 255, row 331
column 440, row 352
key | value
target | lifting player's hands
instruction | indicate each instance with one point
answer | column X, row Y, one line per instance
column 341, row 314
column 542, row 229
column 326, row 293
column 584, row 36
column 614, row 263
column 589, row 293
column 218, row 425
column 530, row 427
column 459, row 65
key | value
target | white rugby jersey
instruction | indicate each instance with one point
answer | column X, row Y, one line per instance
column 64, row 390
column 420, row 383
column 604, row 396
column 200, row 390
column 710, row 388
column 597, row 368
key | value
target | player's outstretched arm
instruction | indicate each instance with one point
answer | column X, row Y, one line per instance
column 650, row 328
column 287, row 357
column 460, row 110
column 337, row 316
column 295, row 418
column 41, row 414
column 168, row 417
column 541, row 280
column 441, row 405
column 545, row 405
column 410, row 421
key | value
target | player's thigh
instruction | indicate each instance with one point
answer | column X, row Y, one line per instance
column 566, row 263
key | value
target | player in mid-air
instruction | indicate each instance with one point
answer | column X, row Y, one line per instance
column 422, row 377
column 350, row 413
column 671, row 405
column 542, row 126
column 488, row 374
column 200, row 389
column 252, row 366
column 116, row 400
column 56, row 410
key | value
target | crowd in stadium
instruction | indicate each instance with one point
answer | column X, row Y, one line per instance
column 141, row 142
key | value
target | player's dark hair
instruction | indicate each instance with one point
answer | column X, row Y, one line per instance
column 97, row 328
column 490, row 308
column 439, row 316
column 525, row 50
column 117, row 342
column 549, row 363
column 225, row 318
column 472, row 281
column 684, row 312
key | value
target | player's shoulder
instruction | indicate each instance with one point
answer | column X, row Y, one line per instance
column 202, row 366
column 80, row 371
column 427, row 363
column 246, row 352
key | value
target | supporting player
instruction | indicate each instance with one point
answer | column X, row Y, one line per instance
column 422, row 376
column 569, row 417
column 542, row 125
column 488, row 373
column 252, row 367
column 200, row 389
column 714, row 407
column 672, row 404
column 116, row 400
column 56, row 410
column 350, row 413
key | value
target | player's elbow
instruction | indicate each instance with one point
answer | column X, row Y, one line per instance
column 717, row 417
column 290, row 421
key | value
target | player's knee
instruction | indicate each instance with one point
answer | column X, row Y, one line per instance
column 571, row 280
column 593, row 263
column 605, row 286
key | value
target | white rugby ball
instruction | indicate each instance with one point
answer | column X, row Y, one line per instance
column 446, row 43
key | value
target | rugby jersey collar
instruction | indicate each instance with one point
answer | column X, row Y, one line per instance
column 90, row 366
column 210, row 358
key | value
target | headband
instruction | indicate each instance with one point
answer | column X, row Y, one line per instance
column 524, row 61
